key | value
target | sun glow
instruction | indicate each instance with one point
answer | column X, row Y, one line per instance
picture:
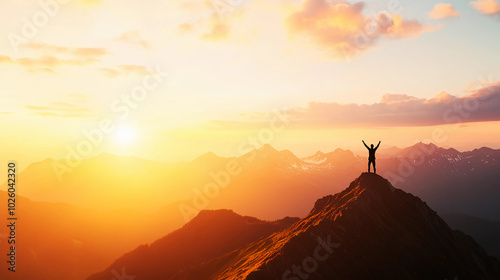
column 124, row 135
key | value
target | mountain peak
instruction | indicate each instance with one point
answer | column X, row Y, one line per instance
column 267, row 148
column 419, row 148
column 372, row 181
column 421, row 144
column 368, row 184
column 210, row 217
column 43, row 163
column 318, row 153
column 342, row 152
column 207, row 157
column 369, row 222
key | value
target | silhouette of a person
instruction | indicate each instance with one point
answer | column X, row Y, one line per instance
column 371, row 157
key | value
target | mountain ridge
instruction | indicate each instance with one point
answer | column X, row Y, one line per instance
column 269, row 148
column 369, row 230
column 325, row 216
column 212, row 233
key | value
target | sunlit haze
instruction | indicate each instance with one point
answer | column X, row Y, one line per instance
column 186, row 78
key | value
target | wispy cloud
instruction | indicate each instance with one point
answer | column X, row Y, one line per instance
column 185, row 28
column 397, row 27
column 79, row 98
column 134, row 69
column 134, row 37
column 42, row 70
column 216, row 20
column 126, row 70
column 45, row 61
column 110, row 73
column 219, row 31
column 5, row 59
column 49, row 61
column 48, row 57
column 213, row 28
column 61, row 109
column 86, row 53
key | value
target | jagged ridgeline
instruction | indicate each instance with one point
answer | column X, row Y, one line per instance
column 371, row 230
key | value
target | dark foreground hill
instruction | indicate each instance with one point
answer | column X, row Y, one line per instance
column 211, row 234
column 368, row 231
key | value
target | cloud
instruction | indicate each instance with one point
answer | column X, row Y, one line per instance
column 42, row 70
column 79, row 98
column 89, row 53
column 47, row 57
column 214, row 20
column 110, row 73
column 388, row 98
column 44, row 61
column 397, row 27
column 185, row 28
column 220, row 31
column 342, row 28
column 396, row 110
column 60, row 109
column 5, row 59
column 49, row 62
column 134, row 37
column 85, row 53
column 125, row 70
column 211, row 28
column 339, row 28
column 134, row 69
column 487, row 7
column 333, row 26
column 443, row 10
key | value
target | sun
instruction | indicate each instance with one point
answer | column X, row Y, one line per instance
column 124, row 135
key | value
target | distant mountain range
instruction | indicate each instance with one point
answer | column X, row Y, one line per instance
column 450, row 181
column 371, row 230
column 264, row 183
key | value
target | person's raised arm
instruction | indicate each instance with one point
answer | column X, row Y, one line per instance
column 365, row 144
column 378, row 144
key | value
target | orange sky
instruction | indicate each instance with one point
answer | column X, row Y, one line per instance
column 170, row 80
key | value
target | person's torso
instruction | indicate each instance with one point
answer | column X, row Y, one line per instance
column 372, row 153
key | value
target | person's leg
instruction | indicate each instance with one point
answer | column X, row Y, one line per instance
column 374, row 168
column 369, row 162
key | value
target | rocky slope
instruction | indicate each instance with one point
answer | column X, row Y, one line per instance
column 211, row 234
column 369, row 231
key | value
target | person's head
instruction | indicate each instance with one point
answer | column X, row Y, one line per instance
column 371, row 145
